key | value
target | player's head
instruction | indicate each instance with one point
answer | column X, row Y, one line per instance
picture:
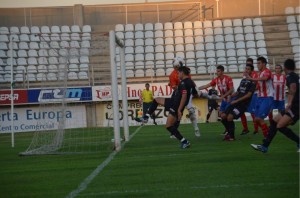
column 178, row 62
column 289, row 65
column 220, row 70
column 249, row 68
column 278, row 69
column 183, row 72
column 261, row 63
column 147, row 85
column 249, row 61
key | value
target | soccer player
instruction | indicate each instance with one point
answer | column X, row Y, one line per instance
column 174, row 81
column 291, row 114
column 265, row 94
column 252, row 105
column 225, row 87
column 211, row 103
column 147, row 98
column 239, row 104
column 178, row 102
column 279, row 92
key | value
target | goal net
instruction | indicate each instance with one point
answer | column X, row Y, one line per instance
column 67, row 121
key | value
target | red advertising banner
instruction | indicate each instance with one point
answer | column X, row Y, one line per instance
column 20, row 97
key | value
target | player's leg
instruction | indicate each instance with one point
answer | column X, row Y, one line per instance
column 245, row 125
column 262, row 110
column 230, row 127
column 210, row 109
column 193, row 117
column 223, row 106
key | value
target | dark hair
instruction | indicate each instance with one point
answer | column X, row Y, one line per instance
column 262, row 59
column 279, row 66
column 251, row 66
column 250, row 60
column 221, row 67
column 289, row 64
column 184, row 69
column 147, row 84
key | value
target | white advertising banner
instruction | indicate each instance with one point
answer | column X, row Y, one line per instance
column 104, row 93
column 36, row 118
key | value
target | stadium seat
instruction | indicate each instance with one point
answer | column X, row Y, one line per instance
column 241, row 52
column 45, row 30
column 65, row 37
column 292, row 27
column 259, row 36
column 73, row 67
column 207, row 24
column 221, row 61
column 218, row 31
column 228, row 31
column 53, row 60
column 4, row 38
column 45, row 37
column 25, row 30
column 73, row 44
column 221, row 53
column 149, row 64
column 289, row 10
column 201, row 70
column 20, row 69
column 258, row 29
column 257, row 21
column 149, row 34
column 4, row 30
column 229, row 37
column 168, row 33
column 119, row 28
column 159, row 34
column 72, row 76
column 199, row 39
column 251, row 52
column 148, row 41
column 248, row 29
column 31, row 69
column 231, row 53
column 139, row 73
column 249, row 44
column 75, row 29
column 42, row 69
column 247, row 22
column 294, row 34
column 189, row 47
column 42, row 61
column 197, row 24
column 86, row 28
column 55, row 37
column 168, row 26
column 159, row 48
column 3, row 54
column 24, row 37
column 217, row 23
column 239, row 37
column 199, row 47
column 34, row 37
column 200, row 55
column 72, row 52
column 220, row 45
column 159, row 56
column 238, row 30
column 295, row 41
column 139, row 49
column 179, row 48
column 138, row 42
column 53, row 52
column 178, row 33
column 75, row 36
column 188, row 32
column 232, row 68
column 22, row 53
column 227, row 23
column 237, row 23
column 158, row 26
column 159, row 41
column 19, row 77
column 188, row 25
column 148, row 26
column 297, row 9
column 65, row 29
column 179, row 40
column 189, row 40
column 14, row 30
column 178, row 26
column 249, row 37
column 209, row 39
column 83, row 75
column 261, row 43
column 149, row 57
column 291, row 19
column 86, row 36
column 210, row 53
column 23, row 45
column 14, row 53
column 169, row 48
column 55, row 29
column 138, row 35
column 262, row 51
column 83, row 67
column 179, row 54
column 149, row 49
column 43, row 52
column 198, row 32
column 209, row 46
column 208, row 31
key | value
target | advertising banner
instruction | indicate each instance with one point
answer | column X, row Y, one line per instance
column 20, row 97
column 37, row 118
column 57, row 95
column 105, row 113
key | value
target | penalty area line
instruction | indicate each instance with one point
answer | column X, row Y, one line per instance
column 83, row 185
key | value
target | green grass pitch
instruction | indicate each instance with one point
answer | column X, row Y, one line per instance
column 152, row 165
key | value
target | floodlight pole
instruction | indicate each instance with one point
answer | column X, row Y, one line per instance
column 12, row 93
column 114, row 87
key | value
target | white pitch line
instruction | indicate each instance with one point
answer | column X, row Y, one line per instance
column 99, row 168
column 194, row 187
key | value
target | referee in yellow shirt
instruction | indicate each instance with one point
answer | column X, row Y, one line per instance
column 147, row 98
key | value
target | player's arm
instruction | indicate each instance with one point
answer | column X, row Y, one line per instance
column 228, row 93
column 182, row 104
column 204, row 86
column 290, row 95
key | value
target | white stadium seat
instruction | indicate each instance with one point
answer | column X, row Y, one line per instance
column 4, row 30
column 248, row 29
column 197, row 24
column 25, row 30
column 238, row 30
column 237, row 22
column 168, row 26
column 86, row 28
column 291, row 19
column 158, row 26
column 249, row 44
column 55, row 29
column 198, row 32
column 188, row 25
column 148, row 26
column 257, row 21
column 45, row 30
column 247, row 22
column 207, row 24
column 249, row 37
column 217, row 23
column 228, row 30
column 227, row 23
column 289, row 10
column 75, row 29
column 14, row 30
column 65, row 29
column 258, row 28
column 178, row 26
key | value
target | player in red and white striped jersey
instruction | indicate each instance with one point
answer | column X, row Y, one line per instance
column 265, row 93
column 279, row 91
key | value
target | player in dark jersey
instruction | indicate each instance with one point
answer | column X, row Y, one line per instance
column 178, row 101
column 239, row 104
column 290, row 116
column 211, row 104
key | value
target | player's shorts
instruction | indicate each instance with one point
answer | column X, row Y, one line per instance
column 278, row 104
column 263, row 107
column 236, row 110
column 146, row 106
column 252, row 105
column 212, row 106
column 293, row 113
column 224, row 105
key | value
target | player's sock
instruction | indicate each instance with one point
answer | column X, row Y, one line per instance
column 193, row 118
column 270, row 117
column 207, row 117
column 254, row 123
column 225, row 123
column 290, row 134
column 152, row 107
column 177, row 123
column 173, row 130
column 271, row 134
column 231, row 128
column 265, row 129
column 244, row 122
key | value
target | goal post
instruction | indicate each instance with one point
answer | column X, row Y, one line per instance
column 115, row 42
